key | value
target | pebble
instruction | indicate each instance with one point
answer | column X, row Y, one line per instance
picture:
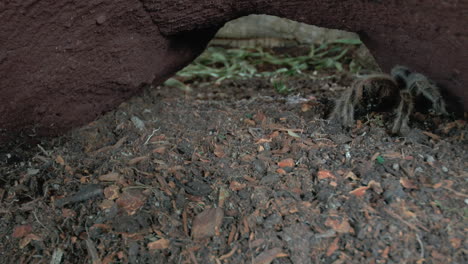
column 430, row 159
column 347, row 154
column 100, row 19
column 445, row 169
column 396, row 166
column 32, row 172
column 138, row 123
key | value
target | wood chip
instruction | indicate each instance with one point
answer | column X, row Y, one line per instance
column 325, row 174
column 131, row 201
column 268, row 256
column 333, row 247
column 236, row 186
column 342, row 227
column 159, row 244
column 207, row 223
column 286, row 163
column 21, row 231
column 112, row 192
column 110, row 177
column 359, row 191
column 408, row 184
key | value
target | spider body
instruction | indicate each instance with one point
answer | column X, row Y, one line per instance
column 378, row 92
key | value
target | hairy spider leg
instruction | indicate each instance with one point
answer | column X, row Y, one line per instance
column 418, row 84
column 404, row 110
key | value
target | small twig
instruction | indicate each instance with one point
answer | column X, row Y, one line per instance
column 455, row 192
column 92, row 251
column 40, row 223
column 87, row 192
column 192, row 257
column 43, row 150
column 229, row 254
column 392, row 214
column 150, row 136
column 421, row 245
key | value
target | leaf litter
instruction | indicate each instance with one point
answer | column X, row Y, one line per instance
column 234, row 171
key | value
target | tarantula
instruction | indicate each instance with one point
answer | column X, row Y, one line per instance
column 382, row 91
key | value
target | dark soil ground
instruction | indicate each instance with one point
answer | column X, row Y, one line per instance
column 238, row 173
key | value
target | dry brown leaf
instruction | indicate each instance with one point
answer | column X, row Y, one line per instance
column 106, row 204
column 207, row 223
column 285, row 149
column 259, row 117
column 68, row 169
column 305, row 107
column 101, row 226
column 223, row 195
column 247, row 158
column 109, row 259
column 219, row 151
column 24, row 242
column 249, row 179
column 263, row 140
column 408, row 214
column 273, row 135
column 385, row 252
column 27, row 239
column 21, row 231
column 455, row 242
column 112, row 192
column 333, row 247
column 60, row 160
column 325, row 174
column 339, row 227
column 359, row 192
column 237, row 186
column 447, row 183
column 457, row 123
column 110, row 177
column 159, row 244
column 446, row 129
column 352, row 176
column 68, row 213
column 359, row 124
column 131, row 201
column 281, row 171
column 249, row 122
column 160, row 150
column 392, row 155
column 375, row 186
column 407, row 183
column 84, row 179
column 268, row 256
column 286, row 163
column 438, row 256
column 431, row 135
column 107, row 148
column 257, row 243
column 137, row 160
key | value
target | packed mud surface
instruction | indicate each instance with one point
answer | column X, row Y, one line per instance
column 239, row 171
